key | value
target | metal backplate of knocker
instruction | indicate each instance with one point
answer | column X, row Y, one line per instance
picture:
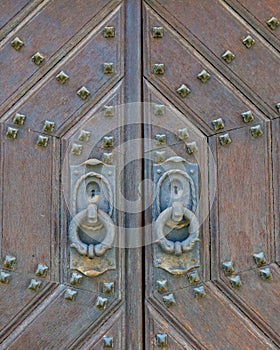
column 175, row 213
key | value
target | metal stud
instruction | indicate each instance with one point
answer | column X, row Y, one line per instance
column 183, row 91
column 193, row 277
column 34, row 285
column 273, row 23
column 259, row 258
column 76, row 279
column 83, row 93
column 278, row 107
column 62, row 77
column 157, row 32
column 76, row 149
column 247, row 117
column 108, row 342
column 204, row 76
column 42, row 141
column 228, row 56
column 107, row 158
column 5, row 277
column 228, row 268
column 17, row 43
column 159, row 156
column 108, row 68
column 108, row 287
column 218, row 124
column 159, row 110
column 108, row 111
column 162, row 286
column 256, row 131
column 191, row 147
column 183, row 134
column 84, row 136
column 248, row 41
column 235, row 281
column 19, row 119
column 158, row 69
column 169, row 300
column 42, row 270
column 199, row 292
column 108, row 141
column 70, row 294
column 160, row 139
column 101, row 303
column 10, row 262
column 266, row 273
column 38, row 58
column 49, row 126
column 109, row 32
column 225, row 140
column 161, row 340
column 11, row 133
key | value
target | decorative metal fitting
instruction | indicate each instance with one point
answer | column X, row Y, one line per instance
column 108, row 111
column 62, row 77
column 17, row 43
column 107, row 158
column 42, row 270
column 204, row 76
column 76, row 279
column 183, row 134
column 160, row 139
column 256, row 131
column 109, row 32
column 108, row 342
column 248, row 41
column 49, row 126
column 42, row 141
column 157, row 32
column 225, row 139
column 191, row 147
column 235, row 281
column 159, row 156
column 101, row 303
column 5, row 277
column 193, row 277
column 76, row 149
column 108, row 287
column 83, row 93
column 34, row 285
column 247, row 117
column 159, row 110
column 218, row 124
column 158, row 69
column 108, row 141
column 162, row 286
column 169, row 300
column 259, row 258
column 266, row 273
column 11, row 133
column 70, row 294
column 183, row 91
column 228, row 56
column 161, row 340
column 10, row 262
column 108, row 68
column 19, row 119
column 84, row 136
column 199, row 292
column 273, row 23
column 278, row 107
column 38, row 58
column 228, row 268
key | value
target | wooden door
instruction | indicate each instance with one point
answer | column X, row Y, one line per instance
column 140, row 174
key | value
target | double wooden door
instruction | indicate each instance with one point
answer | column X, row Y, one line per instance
column 140, row 174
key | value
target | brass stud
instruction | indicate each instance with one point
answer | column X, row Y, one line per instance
column 107, row 158
column 76, row 279
column 161, row 340
column 266, row 273
column 235, row 281
column 84, row 136
column 204, row 76
column 108, row 141
column 160, row 139
column 70, row 294
column 157, row 32
column 11, row 133
column 228, row 268
column 17, row 43
column 42, row 270
column 218, row 124
column 5, row 277
column 101, row 303
column 108, row 287
column 159, row 156
column 183, row 91
column 256, row 131
column 83, row 93
column 108, row 111
column 34, row 285
column 199, row 292
column 247, row 117
column 38, row 58
column 19, row 119
column 191, row 147
column 273, row 23
column 76, row 149
column 183, row 134
column 158, row 69
column 225, row 139
column 109, row 32
column 10, row 262
column 108, row 342
column 162, row 286
column 42, row 141
column 278, row 107
column 62, row 77
column 228, row 56
column 248, row 41
column 169, row 300
column 193, row 277
column 259, row 258
column 108, row 68
column 159, row 110
column 49, row 126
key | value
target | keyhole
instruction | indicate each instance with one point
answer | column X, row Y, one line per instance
column 176, row 189
column 92, row 193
